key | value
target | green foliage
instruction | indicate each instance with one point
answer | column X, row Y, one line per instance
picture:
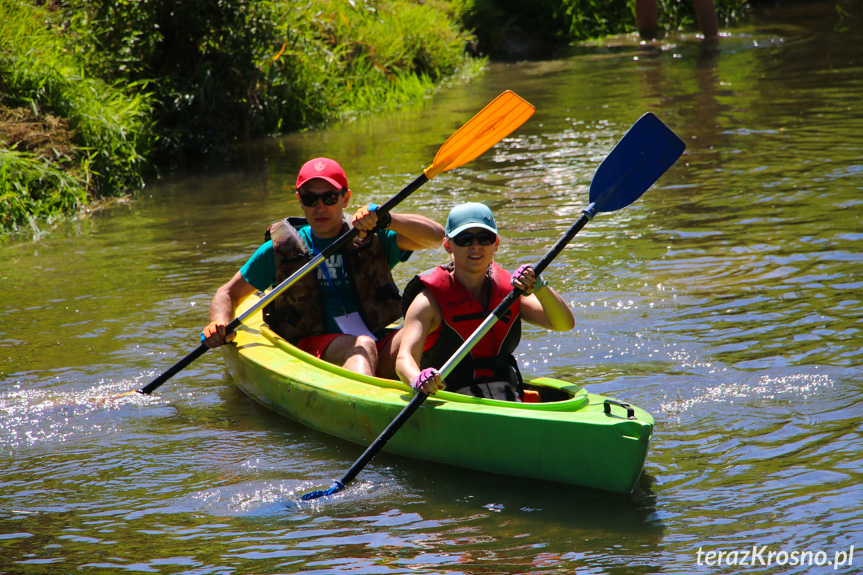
column 198, row 57
column 33, row 191
column 223, row 71
column 680, row 15
column 357, row 57
column 109, row 129
column 585, row 19
column 175, row 82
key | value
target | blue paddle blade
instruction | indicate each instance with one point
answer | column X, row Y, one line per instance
column 644, row 153
column 313, row 495
column 317, row 494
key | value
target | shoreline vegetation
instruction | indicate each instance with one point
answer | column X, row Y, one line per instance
column 98, row 95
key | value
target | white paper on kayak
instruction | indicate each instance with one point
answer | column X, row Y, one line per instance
column 353, row 324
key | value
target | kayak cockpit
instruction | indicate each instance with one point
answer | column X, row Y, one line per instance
column 553, row 394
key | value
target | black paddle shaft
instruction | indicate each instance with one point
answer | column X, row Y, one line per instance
column 237, row 321
column 645, row 152
column 561, row 243
column 418, row 400
column 384, row 437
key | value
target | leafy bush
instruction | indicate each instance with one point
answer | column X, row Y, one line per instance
column 197, row 57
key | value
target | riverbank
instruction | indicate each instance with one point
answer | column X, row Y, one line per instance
column 97, row 96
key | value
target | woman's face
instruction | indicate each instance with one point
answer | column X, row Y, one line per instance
column 468, row 251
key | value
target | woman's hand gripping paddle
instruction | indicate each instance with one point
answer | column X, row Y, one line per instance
column 644, row 153
column 492, row 124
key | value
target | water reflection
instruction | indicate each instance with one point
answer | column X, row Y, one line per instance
column 726, row 302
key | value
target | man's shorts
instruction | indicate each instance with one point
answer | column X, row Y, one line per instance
column 317, row 344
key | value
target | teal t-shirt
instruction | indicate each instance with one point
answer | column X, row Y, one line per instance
column 260, row 271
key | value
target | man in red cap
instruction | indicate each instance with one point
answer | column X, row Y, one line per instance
column 339, row 311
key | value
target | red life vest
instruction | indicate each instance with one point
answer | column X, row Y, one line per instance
column 491, row 358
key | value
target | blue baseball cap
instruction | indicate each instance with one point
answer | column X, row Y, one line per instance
column 469, row 215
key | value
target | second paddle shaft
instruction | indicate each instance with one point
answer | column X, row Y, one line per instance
column 461, row 353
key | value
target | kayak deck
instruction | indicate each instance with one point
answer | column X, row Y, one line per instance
column 576, row 438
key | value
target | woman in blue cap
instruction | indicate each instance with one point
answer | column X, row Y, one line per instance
column 446, row 304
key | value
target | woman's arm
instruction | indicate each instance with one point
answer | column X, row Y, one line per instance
column 543, row 307
column 423, row 317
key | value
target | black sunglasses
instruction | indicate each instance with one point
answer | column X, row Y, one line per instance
column 329, row 198
column 466, row 239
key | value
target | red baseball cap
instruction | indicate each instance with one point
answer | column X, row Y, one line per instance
column 323, row 169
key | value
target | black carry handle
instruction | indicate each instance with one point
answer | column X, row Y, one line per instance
column 630, row 412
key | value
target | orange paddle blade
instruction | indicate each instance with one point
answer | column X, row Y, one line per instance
column 492, row 124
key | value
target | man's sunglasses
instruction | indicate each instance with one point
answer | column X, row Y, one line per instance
column 329, row 198
column 466, row 239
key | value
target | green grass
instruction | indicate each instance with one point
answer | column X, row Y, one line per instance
column 356, row 58
column 34, row 192
column 103, row 152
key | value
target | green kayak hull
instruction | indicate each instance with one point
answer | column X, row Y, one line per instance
column 571, row 436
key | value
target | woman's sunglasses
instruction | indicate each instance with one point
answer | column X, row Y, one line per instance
column 329, row 198
column 466, row 239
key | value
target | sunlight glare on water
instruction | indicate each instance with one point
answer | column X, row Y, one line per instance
column 726, row 302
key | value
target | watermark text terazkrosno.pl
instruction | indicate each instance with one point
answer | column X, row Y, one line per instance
column 762, row 555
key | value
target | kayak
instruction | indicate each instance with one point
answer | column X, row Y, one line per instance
column 569, row 436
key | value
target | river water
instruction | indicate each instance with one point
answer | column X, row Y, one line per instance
column 726, row 302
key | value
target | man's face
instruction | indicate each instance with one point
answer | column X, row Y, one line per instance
column 325, row 221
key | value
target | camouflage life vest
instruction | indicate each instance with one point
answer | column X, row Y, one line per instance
column 298, row 313
column 491, row 359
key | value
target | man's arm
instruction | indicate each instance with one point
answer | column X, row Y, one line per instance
column 416, row 232
column 413, row 232
column 222, row 309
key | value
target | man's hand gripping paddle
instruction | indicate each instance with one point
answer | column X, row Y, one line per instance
column 644, row 153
